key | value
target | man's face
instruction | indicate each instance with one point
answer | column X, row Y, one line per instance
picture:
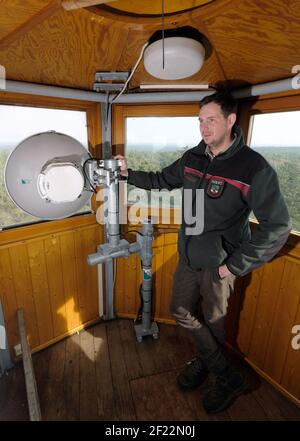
column 215, row 128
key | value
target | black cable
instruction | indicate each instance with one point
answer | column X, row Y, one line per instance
column 163, row 31
column 86, row 175
column 139, row 315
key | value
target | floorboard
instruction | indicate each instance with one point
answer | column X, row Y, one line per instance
column 103, row 373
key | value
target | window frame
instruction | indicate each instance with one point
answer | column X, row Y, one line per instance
column 93, row 118
column 281, row 102
column 121, row 112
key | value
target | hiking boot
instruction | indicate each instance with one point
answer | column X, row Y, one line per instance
column 193, row 375
column 226, row 389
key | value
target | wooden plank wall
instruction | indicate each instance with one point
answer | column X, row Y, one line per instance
column 49, row 278
column 129, row 279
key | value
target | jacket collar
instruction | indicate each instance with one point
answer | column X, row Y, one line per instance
column 236, row 145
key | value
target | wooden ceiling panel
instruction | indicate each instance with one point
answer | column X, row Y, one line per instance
column 257, row 40
column 66, row 49
column 252, row 41
column 154, row 7
column 13, row 13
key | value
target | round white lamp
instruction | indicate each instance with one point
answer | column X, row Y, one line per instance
column 183, row 57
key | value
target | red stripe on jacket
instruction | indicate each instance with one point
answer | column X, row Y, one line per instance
column 244, row 188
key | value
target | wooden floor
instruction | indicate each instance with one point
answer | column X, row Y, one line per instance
column 103, row 373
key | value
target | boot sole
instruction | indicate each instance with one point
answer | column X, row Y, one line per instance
column 230, row 399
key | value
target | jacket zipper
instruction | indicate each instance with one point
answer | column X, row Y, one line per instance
column 210, row 161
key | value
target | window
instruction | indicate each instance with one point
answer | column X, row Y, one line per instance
column 18, row 123
column 276, row 136
column 153, row 143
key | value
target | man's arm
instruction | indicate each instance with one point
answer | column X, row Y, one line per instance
column 170, row 177
column 268, row 205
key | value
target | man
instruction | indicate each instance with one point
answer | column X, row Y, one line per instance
column 235, row 180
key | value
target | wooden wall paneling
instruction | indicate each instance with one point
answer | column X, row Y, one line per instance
column 250, row 290
column 169, row 266
column 158, row 273
column 24, row 291
column 67, row 247
column 8, row 298
column 139, row 279
column 132, row 264
column 283, row 321
column 86, row 275
column 290, row 378
column 40, row 288
column 55, row 281
column 233, row 313
column 91, row 238
column 82, row 276
column 266, row 303
column 119, row 286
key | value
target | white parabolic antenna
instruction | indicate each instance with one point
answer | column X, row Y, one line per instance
column 44, row 175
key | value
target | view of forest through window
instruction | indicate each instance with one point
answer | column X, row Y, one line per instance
column 154, row 143
column 276, row 136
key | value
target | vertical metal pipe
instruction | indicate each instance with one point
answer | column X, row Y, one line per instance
column 113, row 214
column 107, row 153
column 109, row 281
column 146, row 256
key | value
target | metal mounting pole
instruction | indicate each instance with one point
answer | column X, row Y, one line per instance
column 107, row 154
column 146, row 254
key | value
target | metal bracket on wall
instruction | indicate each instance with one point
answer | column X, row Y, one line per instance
column 106, row 130
column 104, row 81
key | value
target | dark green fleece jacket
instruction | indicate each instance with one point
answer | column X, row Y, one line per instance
column 235, row 183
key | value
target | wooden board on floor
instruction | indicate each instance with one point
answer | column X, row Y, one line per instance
column 129, row 342
column 72, row 377
column 157, row 398
column 13, row 401
column 105, row 392
column 88, row 390
column 54, row 400
column 123, row 399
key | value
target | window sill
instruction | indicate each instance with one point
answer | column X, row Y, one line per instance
column 46, row 228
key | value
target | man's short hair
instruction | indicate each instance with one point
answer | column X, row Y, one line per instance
column 226, row 101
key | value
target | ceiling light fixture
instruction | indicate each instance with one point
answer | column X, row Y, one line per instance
column 180, row 54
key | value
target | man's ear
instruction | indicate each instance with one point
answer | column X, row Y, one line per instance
column 231, row 119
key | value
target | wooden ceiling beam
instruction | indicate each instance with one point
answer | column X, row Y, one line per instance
column 78, row 4
column 43, row 14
